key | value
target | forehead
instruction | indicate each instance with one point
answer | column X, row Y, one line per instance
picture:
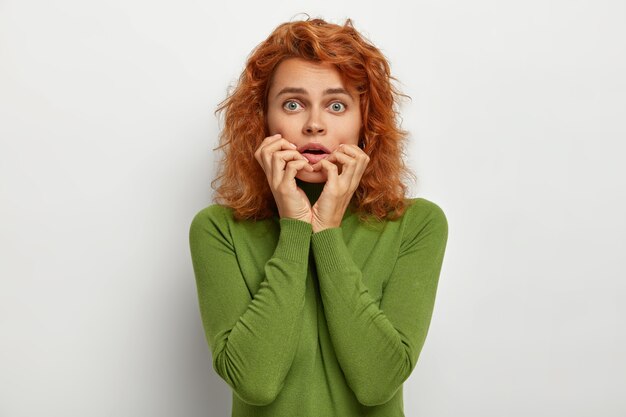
column 300, row 73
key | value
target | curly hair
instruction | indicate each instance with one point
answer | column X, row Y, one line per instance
column 241, row 183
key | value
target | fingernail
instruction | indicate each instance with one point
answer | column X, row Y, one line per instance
column 294, row 145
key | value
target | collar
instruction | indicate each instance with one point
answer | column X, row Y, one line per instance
column 312, row 190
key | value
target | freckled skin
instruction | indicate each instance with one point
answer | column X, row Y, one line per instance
column 312, row 116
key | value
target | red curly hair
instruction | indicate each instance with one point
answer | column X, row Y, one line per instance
column 241, row 183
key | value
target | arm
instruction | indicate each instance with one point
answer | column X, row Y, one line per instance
column 378, row 348
column 252, row 339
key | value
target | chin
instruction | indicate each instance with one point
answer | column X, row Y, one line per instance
column 312, row 177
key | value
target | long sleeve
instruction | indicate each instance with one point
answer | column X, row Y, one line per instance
column 377, row 348
column 253, row 340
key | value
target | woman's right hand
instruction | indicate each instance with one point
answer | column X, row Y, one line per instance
column 281, row 162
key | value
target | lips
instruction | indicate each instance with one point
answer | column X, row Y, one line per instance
column 314, row 152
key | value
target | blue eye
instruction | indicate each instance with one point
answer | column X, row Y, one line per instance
column 291, row 105
column 338, row 107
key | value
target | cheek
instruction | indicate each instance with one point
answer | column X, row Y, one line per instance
column 279, row 123
column 350, row 131
column 271, row 121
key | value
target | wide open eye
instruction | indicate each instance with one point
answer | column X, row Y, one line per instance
column 291, row 105
column 338, row 107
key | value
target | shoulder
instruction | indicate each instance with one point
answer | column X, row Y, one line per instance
column 423, row 210
column 212, row 220
column 218, row 221
column 213, row 213
column 424, row 218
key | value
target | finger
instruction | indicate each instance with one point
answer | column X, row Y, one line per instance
column 273, row 146
column 272, row 138
column 362, row 159
column 351, row 150
column 330, row 169
column 278, row 161
column 292, row 168
column 264, row 143
column 348, row 164
column 266, row 150
column 286, row 155
column 354, row 151
column 276, row 142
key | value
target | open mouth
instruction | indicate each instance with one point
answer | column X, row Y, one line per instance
column 314, row 152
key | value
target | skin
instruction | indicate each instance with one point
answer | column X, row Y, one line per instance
column 301, row 111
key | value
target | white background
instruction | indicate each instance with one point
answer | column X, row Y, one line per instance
column 107, row 130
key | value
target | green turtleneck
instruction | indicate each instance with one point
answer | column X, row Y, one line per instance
column 317, row 324
column 312, row 190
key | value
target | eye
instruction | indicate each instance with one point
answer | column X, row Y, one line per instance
column 338, row 107
column 291, row 105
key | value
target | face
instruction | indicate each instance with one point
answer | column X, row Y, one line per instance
column 311, row 107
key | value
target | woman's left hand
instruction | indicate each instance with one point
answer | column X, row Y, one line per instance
column 330, row 207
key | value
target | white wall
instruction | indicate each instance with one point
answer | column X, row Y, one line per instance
column 107, row 126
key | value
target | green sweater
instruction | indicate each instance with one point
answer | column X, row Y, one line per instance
column 304, row 324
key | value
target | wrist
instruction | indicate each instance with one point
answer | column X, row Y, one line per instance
column 293, row 216
column 302, row 219
column 286, row 214
column 318, row 227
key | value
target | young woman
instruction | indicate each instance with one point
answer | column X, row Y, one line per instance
column 316, row 275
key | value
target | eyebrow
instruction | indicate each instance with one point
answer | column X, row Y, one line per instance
column 295, row 90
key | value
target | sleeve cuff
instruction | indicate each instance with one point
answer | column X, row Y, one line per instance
column 330, row 250
column 294, row 240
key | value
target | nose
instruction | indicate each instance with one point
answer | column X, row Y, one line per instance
column 313, row 128
column 313, row 125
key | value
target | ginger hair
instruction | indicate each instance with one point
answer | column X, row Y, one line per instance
column 241, row 183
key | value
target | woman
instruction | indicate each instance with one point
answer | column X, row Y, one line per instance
column 316, row 276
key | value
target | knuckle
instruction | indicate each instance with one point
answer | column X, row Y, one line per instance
column 282, row 189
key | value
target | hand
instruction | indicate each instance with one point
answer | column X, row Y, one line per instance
column 330, row 207
column 281, row 162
